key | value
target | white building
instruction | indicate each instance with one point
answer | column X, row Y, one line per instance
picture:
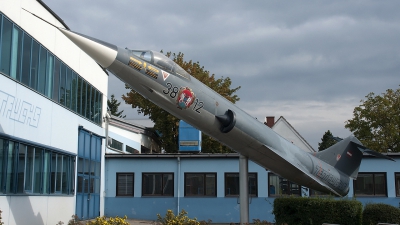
column 286, row 130
column 52, row 103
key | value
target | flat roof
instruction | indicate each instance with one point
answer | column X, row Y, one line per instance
column 205, row 155
column 173, row 155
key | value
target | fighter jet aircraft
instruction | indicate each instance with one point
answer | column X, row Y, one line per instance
column 167, row 85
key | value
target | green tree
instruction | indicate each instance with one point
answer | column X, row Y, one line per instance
column 166, row 123
column 113, row 105
column 326, row 141
column 376, row 122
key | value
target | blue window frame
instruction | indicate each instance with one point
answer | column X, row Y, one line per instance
column 34, row 170
column 25, row 60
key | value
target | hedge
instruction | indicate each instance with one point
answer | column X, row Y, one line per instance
column 380, row 213
column 302, row 211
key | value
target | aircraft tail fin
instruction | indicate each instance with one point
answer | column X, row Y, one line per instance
column 346, row 155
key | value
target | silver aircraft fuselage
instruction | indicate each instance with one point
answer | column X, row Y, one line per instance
column 163, row 82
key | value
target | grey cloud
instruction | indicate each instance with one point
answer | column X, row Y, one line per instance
column 278, row 51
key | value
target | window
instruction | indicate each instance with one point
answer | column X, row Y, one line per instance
column 278, row 186
column 232, row 184
column 200, row 184
column 131, row 150
column 6, row 37
column 157, row 184
column 370, row 184
column 116, row 144
column 319, row 193
column 26, row 169
column 397, row 181
column 125, row 184
column 24, row 59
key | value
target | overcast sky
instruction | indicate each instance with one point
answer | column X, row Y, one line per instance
column 308, row 61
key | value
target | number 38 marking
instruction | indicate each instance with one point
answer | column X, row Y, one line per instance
column 172, row 91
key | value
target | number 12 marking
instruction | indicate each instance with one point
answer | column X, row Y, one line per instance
column 197, row 105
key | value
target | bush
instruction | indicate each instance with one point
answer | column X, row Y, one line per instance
column 380, row 213
column 98, row 221
column 298, row 210
column 180, row 219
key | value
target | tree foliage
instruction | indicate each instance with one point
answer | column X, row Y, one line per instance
column 167, row 124
column 326, row 141
column 113, row 105
column 376, row 122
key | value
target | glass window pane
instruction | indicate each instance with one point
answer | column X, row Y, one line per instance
column 2, row 161
column 56, row 79
column 64, row 174
column 124, row 184
column 211, row 185
column 98, row 150
column 92, row 104
column 152, row 184
column 62, row 83
column 116, row 144
column 279, row 186
column 80, row 165
column 96, row 108
column 397, row 182
column 93, row 148
column 273, row 188
column 231, row 184
column 88, row 100
column 10, row 177
column 97, row 185
column 98, row 168
column 16, row 50
column 194, row 184
column 49, row 75
column 168, row 184
column 380, row 184
column 37, row 178
column 42, row 70
column 68, row 88
column 21, row 168
column 99, row 107
column 34, row 65
column 79, row 188
column 61, row 171
column 26, row 60
column 46, row 172
column 74, row 87
column 6, row 46
column 91, row 185
column 79, row 96
column 29, row 168
column 53, row 172
column 253, row 184
column 86, row 166
column 364, row 185
column 83, row 98
column 71, row 175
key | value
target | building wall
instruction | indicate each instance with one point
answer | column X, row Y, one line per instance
column 125, row 137
column 219, row 208
column 29, row 116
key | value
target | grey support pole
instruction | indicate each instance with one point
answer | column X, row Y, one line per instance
column 244, row 189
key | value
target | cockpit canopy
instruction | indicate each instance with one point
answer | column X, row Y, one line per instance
column 162, row 62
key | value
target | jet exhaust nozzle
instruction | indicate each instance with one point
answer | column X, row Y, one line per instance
column 228, row 121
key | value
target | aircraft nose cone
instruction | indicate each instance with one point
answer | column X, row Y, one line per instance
column 102, row 52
